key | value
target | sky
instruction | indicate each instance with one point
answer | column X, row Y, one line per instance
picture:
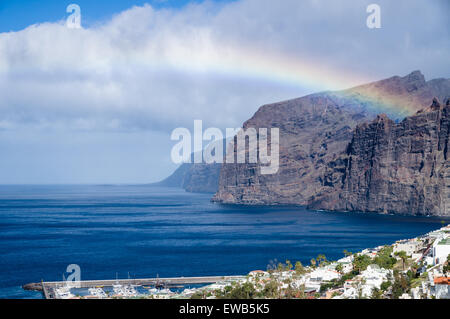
column 98, row 104
column 17, row 15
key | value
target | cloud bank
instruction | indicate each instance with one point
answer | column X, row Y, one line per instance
column 97, row 104
column 148, row 69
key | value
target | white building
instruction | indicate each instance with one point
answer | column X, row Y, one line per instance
column 441, row 249
column 415, row 292
column 350, row 290
column 347, row 264
column 315, row 279
column 408, row 246
column 372, row 278
column 322, row 274
column 442, row 287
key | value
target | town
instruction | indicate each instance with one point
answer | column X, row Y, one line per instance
column 417, row 268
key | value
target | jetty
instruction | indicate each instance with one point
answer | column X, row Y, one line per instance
column 47, row 287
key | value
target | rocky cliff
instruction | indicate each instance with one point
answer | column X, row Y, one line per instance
column 314, row 131
column 194, row 178
column 393, row 168
column 202, row 178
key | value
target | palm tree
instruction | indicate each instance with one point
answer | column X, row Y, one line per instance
column 321, row 259
column 402, row 255
column 347, row 253
column 299, row 268
column 288, row 265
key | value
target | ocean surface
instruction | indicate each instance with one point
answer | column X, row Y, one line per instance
column 142, row 231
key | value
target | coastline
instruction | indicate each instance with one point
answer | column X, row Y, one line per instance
column 323, row 279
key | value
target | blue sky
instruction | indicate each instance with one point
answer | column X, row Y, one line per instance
column 98, row 104
column 16, row 15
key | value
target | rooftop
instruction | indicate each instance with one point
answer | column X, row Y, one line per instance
column 442, row 280
column 445, row 241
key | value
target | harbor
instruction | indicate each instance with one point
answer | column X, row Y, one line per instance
column 156, row 288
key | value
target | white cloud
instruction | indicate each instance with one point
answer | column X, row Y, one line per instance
column 159, row 69
column 154, row 70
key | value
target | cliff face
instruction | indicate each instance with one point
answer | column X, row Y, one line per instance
column 194, row 178
column 314, row 131
column 202, row 178
column 393, row 168
column 408, row 93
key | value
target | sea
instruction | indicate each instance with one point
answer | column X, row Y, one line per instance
column 139, row 231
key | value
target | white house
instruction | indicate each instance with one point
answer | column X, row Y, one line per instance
column 350, row 290
column 441, row 249
column 408, row 246
column 320, row 275
column 372, row 278
column 346, row 263
column 442, row 287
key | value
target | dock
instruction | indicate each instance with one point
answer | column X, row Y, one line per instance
column 47, row 287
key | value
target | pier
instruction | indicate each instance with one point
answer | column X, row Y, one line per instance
column 47, row 287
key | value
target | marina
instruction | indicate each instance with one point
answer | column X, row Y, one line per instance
column 157, row 288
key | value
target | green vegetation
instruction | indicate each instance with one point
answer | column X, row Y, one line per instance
column 299, row 269
column 401, row 285
column 376, row 294
column 347, row 253
column 249, row 291
column 447, row 266
column 339, row 268
column 289, row 265
column 271, row 290
column 336, row 283
column 321, row 260
column 384, row 259
column 361, row 262
column 402, row 255
column 244, row 291
column 198, row 295
column 280, row 267
column 385, row 285
column 237, row 291
column 291, row 293
column 284, row 266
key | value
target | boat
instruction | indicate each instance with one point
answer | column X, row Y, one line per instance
column 124, row 291
column 97, row 292
column 63, row 293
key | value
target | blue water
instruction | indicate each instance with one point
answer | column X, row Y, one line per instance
column 145, row 231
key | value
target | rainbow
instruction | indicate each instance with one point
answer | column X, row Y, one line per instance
column 288, row 70
column 204, row 55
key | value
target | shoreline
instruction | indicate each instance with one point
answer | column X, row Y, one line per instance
column 310, row 279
